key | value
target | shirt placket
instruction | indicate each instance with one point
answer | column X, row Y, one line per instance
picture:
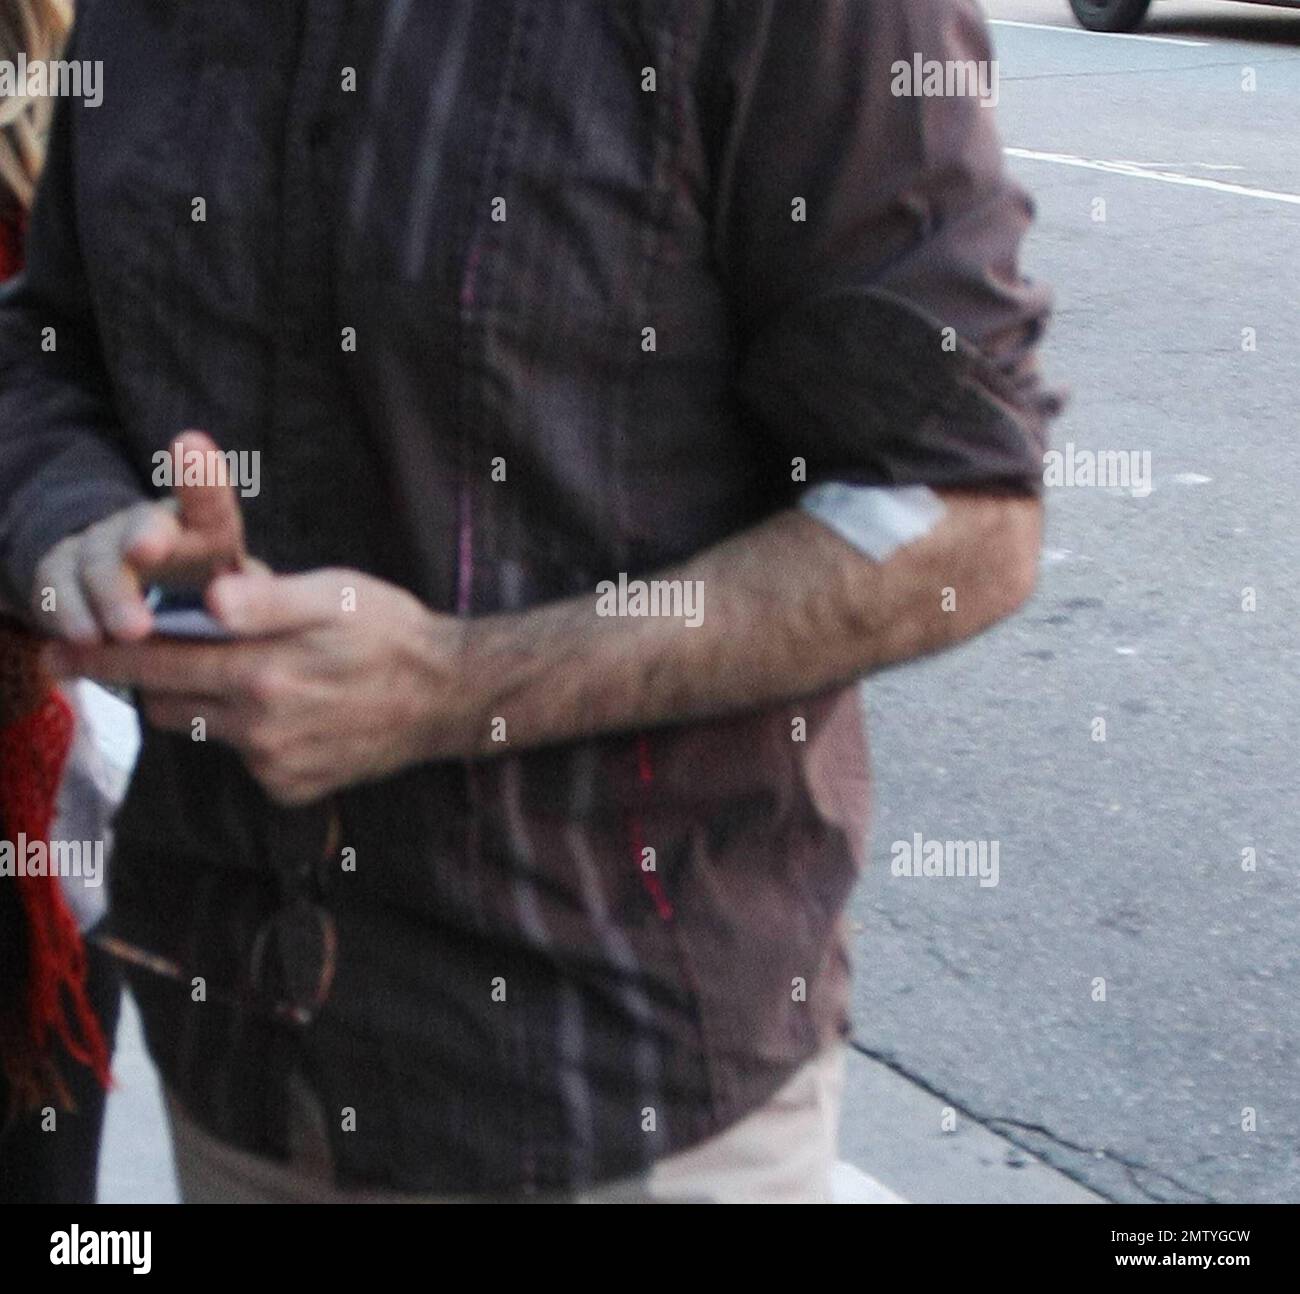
column 296, row 840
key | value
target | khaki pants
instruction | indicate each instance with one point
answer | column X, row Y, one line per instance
column 782, row 1153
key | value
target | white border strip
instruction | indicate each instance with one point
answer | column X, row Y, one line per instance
column 1165, row 177
column 1114, row 35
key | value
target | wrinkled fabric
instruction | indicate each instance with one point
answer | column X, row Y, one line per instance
column 500, row 209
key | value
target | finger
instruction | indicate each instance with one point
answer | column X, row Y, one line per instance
column 158, row 549
column 183, row 668
column 112, row 588
column 211, row 509
column 59, row 606
column 150, row 535
column 178, row 712
column 288, row 789
column 192, row 562
column 261, row 605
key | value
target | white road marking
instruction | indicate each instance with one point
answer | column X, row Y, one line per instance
column 1164, row 166
column 1052, row 555
column 1114, row 35
column 1192, row 478
column 1164, row 177
column 850, row 1185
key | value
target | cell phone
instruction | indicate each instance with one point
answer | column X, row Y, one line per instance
column 180, row 613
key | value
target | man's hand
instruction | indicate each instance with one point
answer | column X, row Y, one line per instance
column 337, row 678
column 91, row 585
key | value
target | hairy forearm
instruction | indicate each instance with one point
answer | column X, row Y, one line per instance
column 789, row 609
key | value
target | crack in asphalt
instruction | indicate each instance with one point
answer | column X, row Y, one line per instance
column 1131, row 1166
column 900, row 926
column 951, row 967
column 996, row 1124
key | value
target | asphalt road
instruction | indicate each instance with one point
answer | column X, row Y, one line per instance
column 1122, row 860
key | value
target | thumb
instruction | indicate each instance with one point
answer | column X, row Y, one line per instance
column 207, row 505
column 256, row 603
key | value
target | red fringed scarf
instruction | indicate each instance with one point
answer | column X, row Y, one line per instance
column 12, row 229
column 54, row 1007
column 36, row 730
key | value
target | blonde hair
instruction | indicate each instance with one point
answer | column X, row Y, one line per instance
column 37, row 28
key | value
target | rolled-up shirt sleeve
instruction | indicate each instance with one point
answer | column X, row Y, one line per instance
column 62, row 466
column 870, row 241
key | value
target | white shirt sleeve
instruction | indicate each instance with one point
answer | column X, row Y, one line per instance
column 104, row 749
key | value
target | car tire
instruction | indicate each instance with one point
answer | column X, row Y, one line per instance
column 1110, row 15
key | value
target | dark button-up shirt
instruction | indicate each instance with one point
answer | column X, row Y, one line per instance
column 500, row 199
